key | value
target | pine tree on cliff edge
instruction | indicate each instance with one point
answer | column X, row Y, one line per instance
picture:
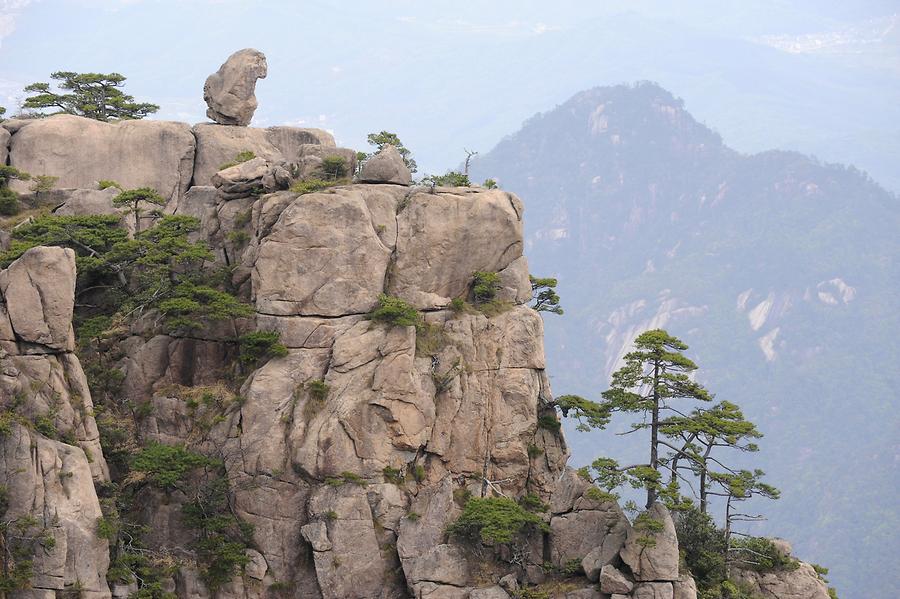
column 654, row 374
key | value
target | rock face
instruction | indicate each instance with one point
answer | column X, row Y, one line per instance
column 657, row 560
column 349, row 455
column 801, row 583
column 386, row 166
column 80, row 152
column 217, row 145
column 230, row 91
column 48, row 484
column 4, row 145
column 37, row 292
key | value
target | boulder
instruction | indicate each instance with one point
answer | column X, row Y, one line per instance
column 38, row 291
column 653, row 590
column 230, row 91
column 445, row 237
column 312, row 156
column 614, row 581
column 800, row 583
column 80, row 152
column 492, row 592
column 658, row 560
column 85, row 202
column 219, row 144
column 386, row 166
column 593, row 532
column 252, row 177
column 685, row 588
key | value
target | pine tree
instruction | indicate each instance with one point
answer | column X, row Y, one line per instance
column 654, row 375
column 132, row 200
column 92, row 95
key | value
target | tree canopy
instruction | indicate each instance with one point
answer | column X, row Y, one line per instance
column 386, row 138
column 92, row 95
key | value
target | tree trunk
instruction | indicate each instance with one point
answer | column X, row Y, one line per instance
column 704, row 501
column 654, row 433
column 728, row 538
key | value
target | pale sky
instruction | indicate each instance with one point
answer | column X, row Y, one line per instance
column 445, row 75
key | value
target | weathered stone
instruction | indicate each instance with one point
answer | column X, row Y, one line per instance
column 585, row 593
column 38, row 290
column 252, row 177
column 323, row 258
column 220, row 144
column 657, row 561
column 801, row 583
column 600, row 529
column 81, row 151
column 230, row 91
column 510, row 583
column 444, row 564
column 312, row 156
column 492, row 592
column 4, row 145
column 51, row 482
column 386, row 166
column 653, row 590
column 445, row 237
column 613, row 581
column 685, row 587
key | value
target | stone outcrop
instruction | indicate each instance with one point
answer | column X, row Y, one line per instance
column 658, row 559
column 799, row 583
column 50, row 454
column 386, row 166
column 80, row 152
column 312, row 156
column 230, row 92
column 218, row 145
column 252, row 177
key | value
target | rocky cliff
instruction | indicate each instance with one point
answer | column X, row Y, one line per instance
column 333, row 469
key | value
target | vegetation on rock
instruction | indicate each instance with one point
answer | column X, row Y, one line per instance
column 495, row 520
column 92, row 95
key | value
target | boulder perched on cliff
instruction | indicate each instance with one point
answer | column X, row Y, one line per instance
column 37, row 293
column 252, row 177
column 386, row 166
column 218, row 145
column 230, row 91
column 651, row 549
column 80, row 152
column 799, row 583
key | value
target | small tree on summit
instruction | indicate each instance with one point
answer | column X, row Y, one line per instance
column 92, row 95
column 386, row 138
column 654, row 374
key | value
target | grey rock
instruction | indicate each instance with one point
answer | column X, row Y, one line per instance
column 252, row 177
column 493, row 592
column 801, row 583
column 653, row 590
column 614, row 581
column 596, row 533
column 220, row 144
column 660, row 560
column 311, row 156
column 230, row 91
column 386, row 166
column 4, row 145
column 38, row 291
column 685, row 588
column 81, row 151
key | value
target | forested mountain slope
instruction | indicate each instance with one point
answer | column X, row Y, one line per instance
column 780, row 272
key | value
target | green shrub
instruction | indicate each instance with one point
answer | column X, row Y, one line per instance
column 430, row 339
column 485, row 286
column 494, row 520
column 334, row 167
column 260, row 345
column 107, row 183
column 534, row 451
column 533, row 503
column 392, row 475
column 238, row 238
column 318, row 389
column 243, row 156
column 418, row 473
column 395, row 311
column 9, row 202
column 458, row 305
column 313, row 185
column 759, row 554
column 413, row 517
column 549, row 422
column 451, row 179
column 43, row 183
column 165, row 466
column 490, row 184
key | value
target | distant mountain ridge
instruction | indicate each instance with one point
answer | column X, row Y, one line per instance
column 779, row 271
